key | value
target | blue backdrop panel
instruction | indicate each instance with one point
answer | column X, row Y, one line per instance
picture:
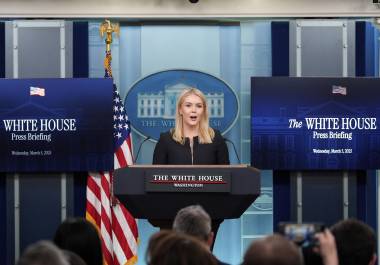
column 10, row 220
column 280, row 67
column 316, row 207
column 280, row 48
column 360, row 48
column 230, row 37
column 366, row 57
column 367, row 197
column 43, row 220
column 80, row 185
column 80, row 69
column 281, row 197
column 3, row 226
column 80, row 49
column 230, row 63
column 2, row 176
column 366, row 49
column 2, row 49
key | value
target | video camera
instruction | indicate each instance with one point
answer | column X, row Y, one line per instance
column 301, row 234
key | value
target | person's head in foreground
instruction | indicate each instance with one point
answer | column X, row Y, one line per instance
column 355, row 241
column 272, row 250
column 195, row 221
column 42, row 253
column 173, row 248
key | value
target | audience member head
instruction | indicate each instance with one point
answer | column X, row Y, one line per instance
column 73, row 258
column 80, row 237
column 42, row 253
column 273, row 250
column 171, row 248
column 194, row 220
column 355, row 241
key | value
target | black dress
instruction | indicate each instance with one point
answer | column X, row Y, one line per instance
column 170, row 152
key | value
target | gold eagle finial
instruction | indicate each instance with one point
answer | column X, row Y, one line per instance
column 108, row 28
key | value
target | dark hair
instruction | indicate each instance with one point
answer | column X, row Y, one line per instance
column 171, row 248
column 42, row 253
column 193, row 220
column 80, row 237
column 272, row 250
column 355, row 241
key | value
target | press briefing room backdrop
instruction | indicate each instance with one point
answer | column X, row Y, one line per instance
column 184, row 43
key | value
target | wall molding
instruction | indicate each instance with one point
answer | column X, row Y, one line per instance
column 183, row 9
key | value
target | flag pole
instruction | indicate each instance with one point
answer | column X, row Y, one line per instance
column 107, row 29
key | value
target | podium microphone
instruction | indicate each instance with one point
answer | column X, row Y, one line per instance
column 233, row 145
column 138, row 151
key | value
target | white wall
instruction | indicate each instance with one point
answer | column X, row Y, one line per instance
column 184, row 9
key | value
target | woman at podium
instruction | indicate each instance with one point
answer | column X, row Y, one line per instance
column 192, row 141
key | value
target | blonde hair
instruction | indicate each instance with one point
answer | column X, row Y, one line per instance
column 206, row 133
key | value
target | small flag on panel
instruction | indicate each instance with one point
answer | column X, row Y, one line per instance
column 37, row 91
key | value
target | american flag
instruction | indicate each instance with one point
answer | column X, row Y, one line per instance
column 339, row 90
column 37, row 91
column 117, row 227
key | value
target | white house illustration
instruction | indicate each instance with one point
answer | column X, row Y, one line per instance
column 163, row 103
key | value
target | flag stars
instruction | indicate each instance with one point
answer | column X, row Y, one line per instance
column 121, row 122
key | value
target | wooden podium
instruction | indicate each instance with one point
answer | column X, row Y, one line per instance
column 131, row 187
